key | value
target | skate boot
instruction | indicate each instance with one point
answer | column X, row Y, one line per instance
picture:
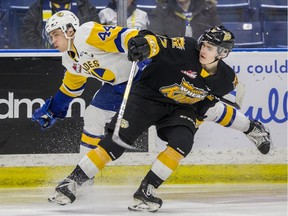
column 260, row 136
column 65, row 192
column 144, row 199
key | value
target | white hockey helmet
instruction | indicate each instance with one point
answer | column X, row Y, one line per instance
column 62, row 20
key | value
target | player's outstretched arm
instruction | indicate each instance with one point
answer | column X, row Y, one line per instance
column 53, row 109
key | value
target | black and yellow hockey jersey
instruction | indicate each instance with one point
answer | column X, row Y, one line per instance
column 175, row 75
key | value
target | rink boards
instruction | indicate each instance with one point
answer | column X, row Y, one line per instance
column 131, row 175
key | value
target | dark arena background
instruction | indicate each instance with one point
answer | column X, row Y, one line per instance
column 23, row 82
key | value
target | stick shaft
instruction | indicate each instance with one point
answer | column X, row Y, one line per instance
column 116, row 138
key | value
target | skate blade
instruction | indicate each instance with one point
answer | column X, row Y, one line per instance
column 59, row 199
column 141, row 206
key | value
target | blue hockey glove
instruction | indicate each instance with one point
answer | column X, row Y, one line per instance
column 53, row 109
column 44, row 116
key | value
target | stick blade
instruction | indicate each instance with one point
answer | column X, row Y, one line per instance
column 120, row 142
column 240, row 93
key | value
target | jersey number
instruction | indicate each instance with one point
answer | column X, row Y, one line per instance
column 107, row 32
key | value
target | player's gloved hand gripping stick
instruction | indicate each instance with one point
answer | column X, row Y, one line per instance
column 138, row 49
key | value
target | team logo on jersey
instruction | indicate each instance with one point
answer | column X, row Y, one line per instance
column 90, row 64
column 163, row 40
column 92, row 67
column 189, row 73
column 86, row 53
column 77, row 67
column 185, row 93
column 235, row 82
column 124, row 123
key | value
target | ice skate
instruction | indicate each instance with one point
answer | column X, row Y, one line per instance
column 65, row 192
column 260, row 136
column 144, row 199
column 88, row 183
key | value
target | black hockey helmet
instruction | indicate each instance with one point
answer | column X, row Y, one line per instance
column 219, row 36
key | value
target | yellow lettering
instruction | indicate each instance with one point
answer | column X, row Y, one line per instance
column 85, row 66
column 163, row 42
column 90, row 64
column 178, row 43
column 96, row 63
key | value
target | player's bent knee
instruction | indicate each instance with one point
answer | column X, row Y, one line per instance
column 183, row 145
column 115, row 151
column 181, row 139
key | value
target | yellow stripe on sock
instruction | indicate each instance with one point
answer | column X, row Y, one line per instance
column 90, row 140
column 170, row 158
column 99, row 157
column 228, row 116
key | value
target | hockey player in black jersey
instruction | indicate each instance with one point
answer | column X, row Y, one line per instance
column 177, row 87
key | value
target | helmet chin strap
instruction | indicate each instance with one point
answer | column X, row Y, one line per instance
column 216, row 59
column 69, row 44
column 69, row 41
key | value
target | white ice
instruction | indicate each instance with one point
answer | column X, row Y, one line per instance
column 178, row 200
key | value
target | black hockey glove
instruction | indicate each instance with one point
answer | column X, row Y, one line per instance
column 138, row 49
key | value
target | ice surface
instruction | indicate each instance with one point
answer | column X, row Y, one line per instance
column 179, row 200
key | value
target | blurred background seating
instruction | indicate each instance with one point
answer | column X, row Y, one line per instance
column 99, row 4
column 16, row 15
column 2, row 28
column 11, row 22
column 274, row 25
column 255, row 23
column 146, row 5
column 237, row 16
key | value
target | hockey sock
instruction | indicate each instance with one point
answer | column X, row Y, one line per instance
column 227, row 116
column 94, row 161
column 153, row 179
column 89, row 140
column 78, row 176
column 167, row 161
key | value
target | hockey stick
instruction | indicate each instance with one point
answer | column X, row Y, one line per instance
column 240, row 92
column 116, row 138
column 234, row 104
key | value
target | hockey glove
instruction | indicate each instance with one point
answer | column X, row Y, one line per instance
column 44, row 116
column 53, row 109
column 138, row 49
